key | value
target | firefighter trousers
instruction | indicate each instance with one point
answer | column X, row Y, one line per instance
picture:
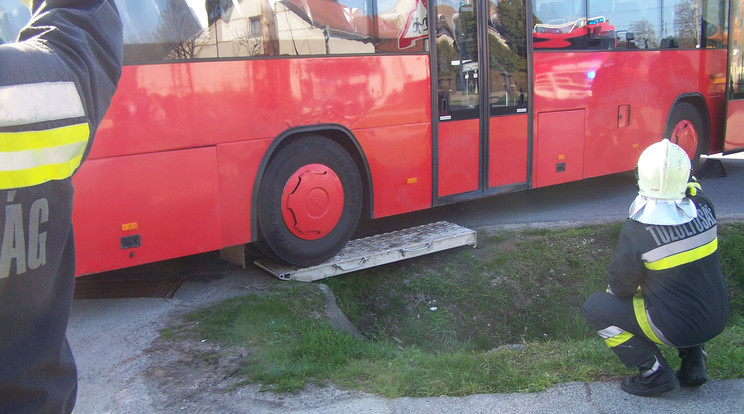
column 616, row 320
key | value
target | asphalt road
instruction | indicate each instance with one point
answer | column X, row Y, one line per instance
column 594, row 200
column 111, row 338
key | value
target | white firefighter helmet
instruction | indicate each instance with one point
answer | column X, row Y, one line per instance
column 663, row 172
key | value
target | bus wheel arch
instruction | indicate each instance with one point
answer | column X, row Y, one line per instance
column 688, row 126
column 309, row 195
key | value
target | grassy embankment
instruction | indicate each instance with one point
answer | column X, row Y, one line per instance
column 502, row 317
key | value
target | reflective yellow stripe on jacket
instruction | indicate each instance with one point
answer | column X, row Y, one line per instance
column 683, row 251
column 38, row 155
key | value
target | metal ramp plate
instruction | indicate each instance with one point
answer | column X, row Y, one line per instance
column 378, row 250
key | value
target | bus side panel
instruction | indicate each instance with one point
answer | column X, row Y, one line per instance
column 156, row 108
column 713, row 81
column 507, row 149
column 238, row 167
column 400, row 163
column 459, row 157
column 144, row 208
column 182, row 105
column 626, row 110
column 559, row 155
column 735, row 126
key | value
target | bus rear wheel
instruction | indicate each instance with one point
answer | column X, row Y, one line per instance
column 309, row 201
column 685, row 128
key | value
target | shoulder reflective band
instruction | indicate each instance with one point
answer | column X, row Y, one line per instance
column 682, row 252
column 29, row 158
column 38, row 102
column 639, row 308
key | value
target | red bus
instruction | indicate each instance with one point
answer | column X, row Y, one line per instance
column 283, row 122
column 735, row 85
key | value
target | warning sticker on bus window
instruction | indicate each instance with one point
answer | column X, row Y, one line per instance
column 417, row 26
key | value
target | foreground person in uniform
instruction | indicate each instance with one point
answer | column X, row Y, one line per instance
column 665, row 281
column 56, row 84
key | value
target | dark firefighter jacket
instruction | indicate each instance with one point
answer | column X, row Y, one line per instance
column 56, row 84
column 679, row 274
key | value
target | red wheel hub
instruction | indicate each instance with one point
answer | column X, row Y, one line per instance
column 685, row 135
column 312, row 201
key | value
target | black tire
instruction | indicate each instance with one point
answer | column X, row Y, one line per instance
column 279, row 231
column 685, row 128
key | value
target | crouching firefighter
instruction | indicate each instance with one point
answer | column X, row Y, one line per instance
column 665, row 280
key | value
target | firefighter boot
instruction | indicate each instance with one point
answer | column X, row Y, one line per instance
column 654, row 377
column 691, row 372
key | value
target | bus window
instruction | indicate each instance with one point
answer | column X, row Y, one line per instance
column 558, row 12
column 615, row 24
column 457, row 56
column 157, row 30
column 562, row 24
column 13, row 16
column 715, row 24
column 682, row 18
column 634, row 25
column 507, row 60
column 168, row 30
column 736, row 55
column 637, row 24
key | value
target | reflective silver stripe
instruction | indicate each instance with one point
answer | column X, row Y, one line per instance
column 657, row 331
column 680, row 246
column 22, row 160
column 653, row 369
column 39, row 102
column 609, row 332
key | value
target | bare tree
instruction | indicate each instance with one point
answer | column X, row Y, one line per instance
column 644, row 32
column 178, row 31
column 253, row 45
column 687, row 23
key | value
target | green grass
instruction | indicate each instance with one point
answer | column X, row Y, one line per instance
column 515, row 287
column 731, row 248
column 290, row 340
column 433, row 325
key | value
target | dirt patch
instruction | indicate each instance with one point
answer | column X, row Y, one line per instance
column 189, row 374
column 185, row 369
column 195, row 377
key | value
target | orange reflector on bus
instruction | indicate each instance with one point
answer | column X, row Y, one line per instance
column 413, row 180
column 129, row 226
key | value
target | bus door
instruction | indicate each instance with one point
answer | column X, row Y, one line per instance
column 481, row 81
column 734, row 138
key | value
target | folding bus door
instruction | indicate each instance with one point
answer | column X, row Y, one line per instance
column 734, row 139
column 481, row 85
